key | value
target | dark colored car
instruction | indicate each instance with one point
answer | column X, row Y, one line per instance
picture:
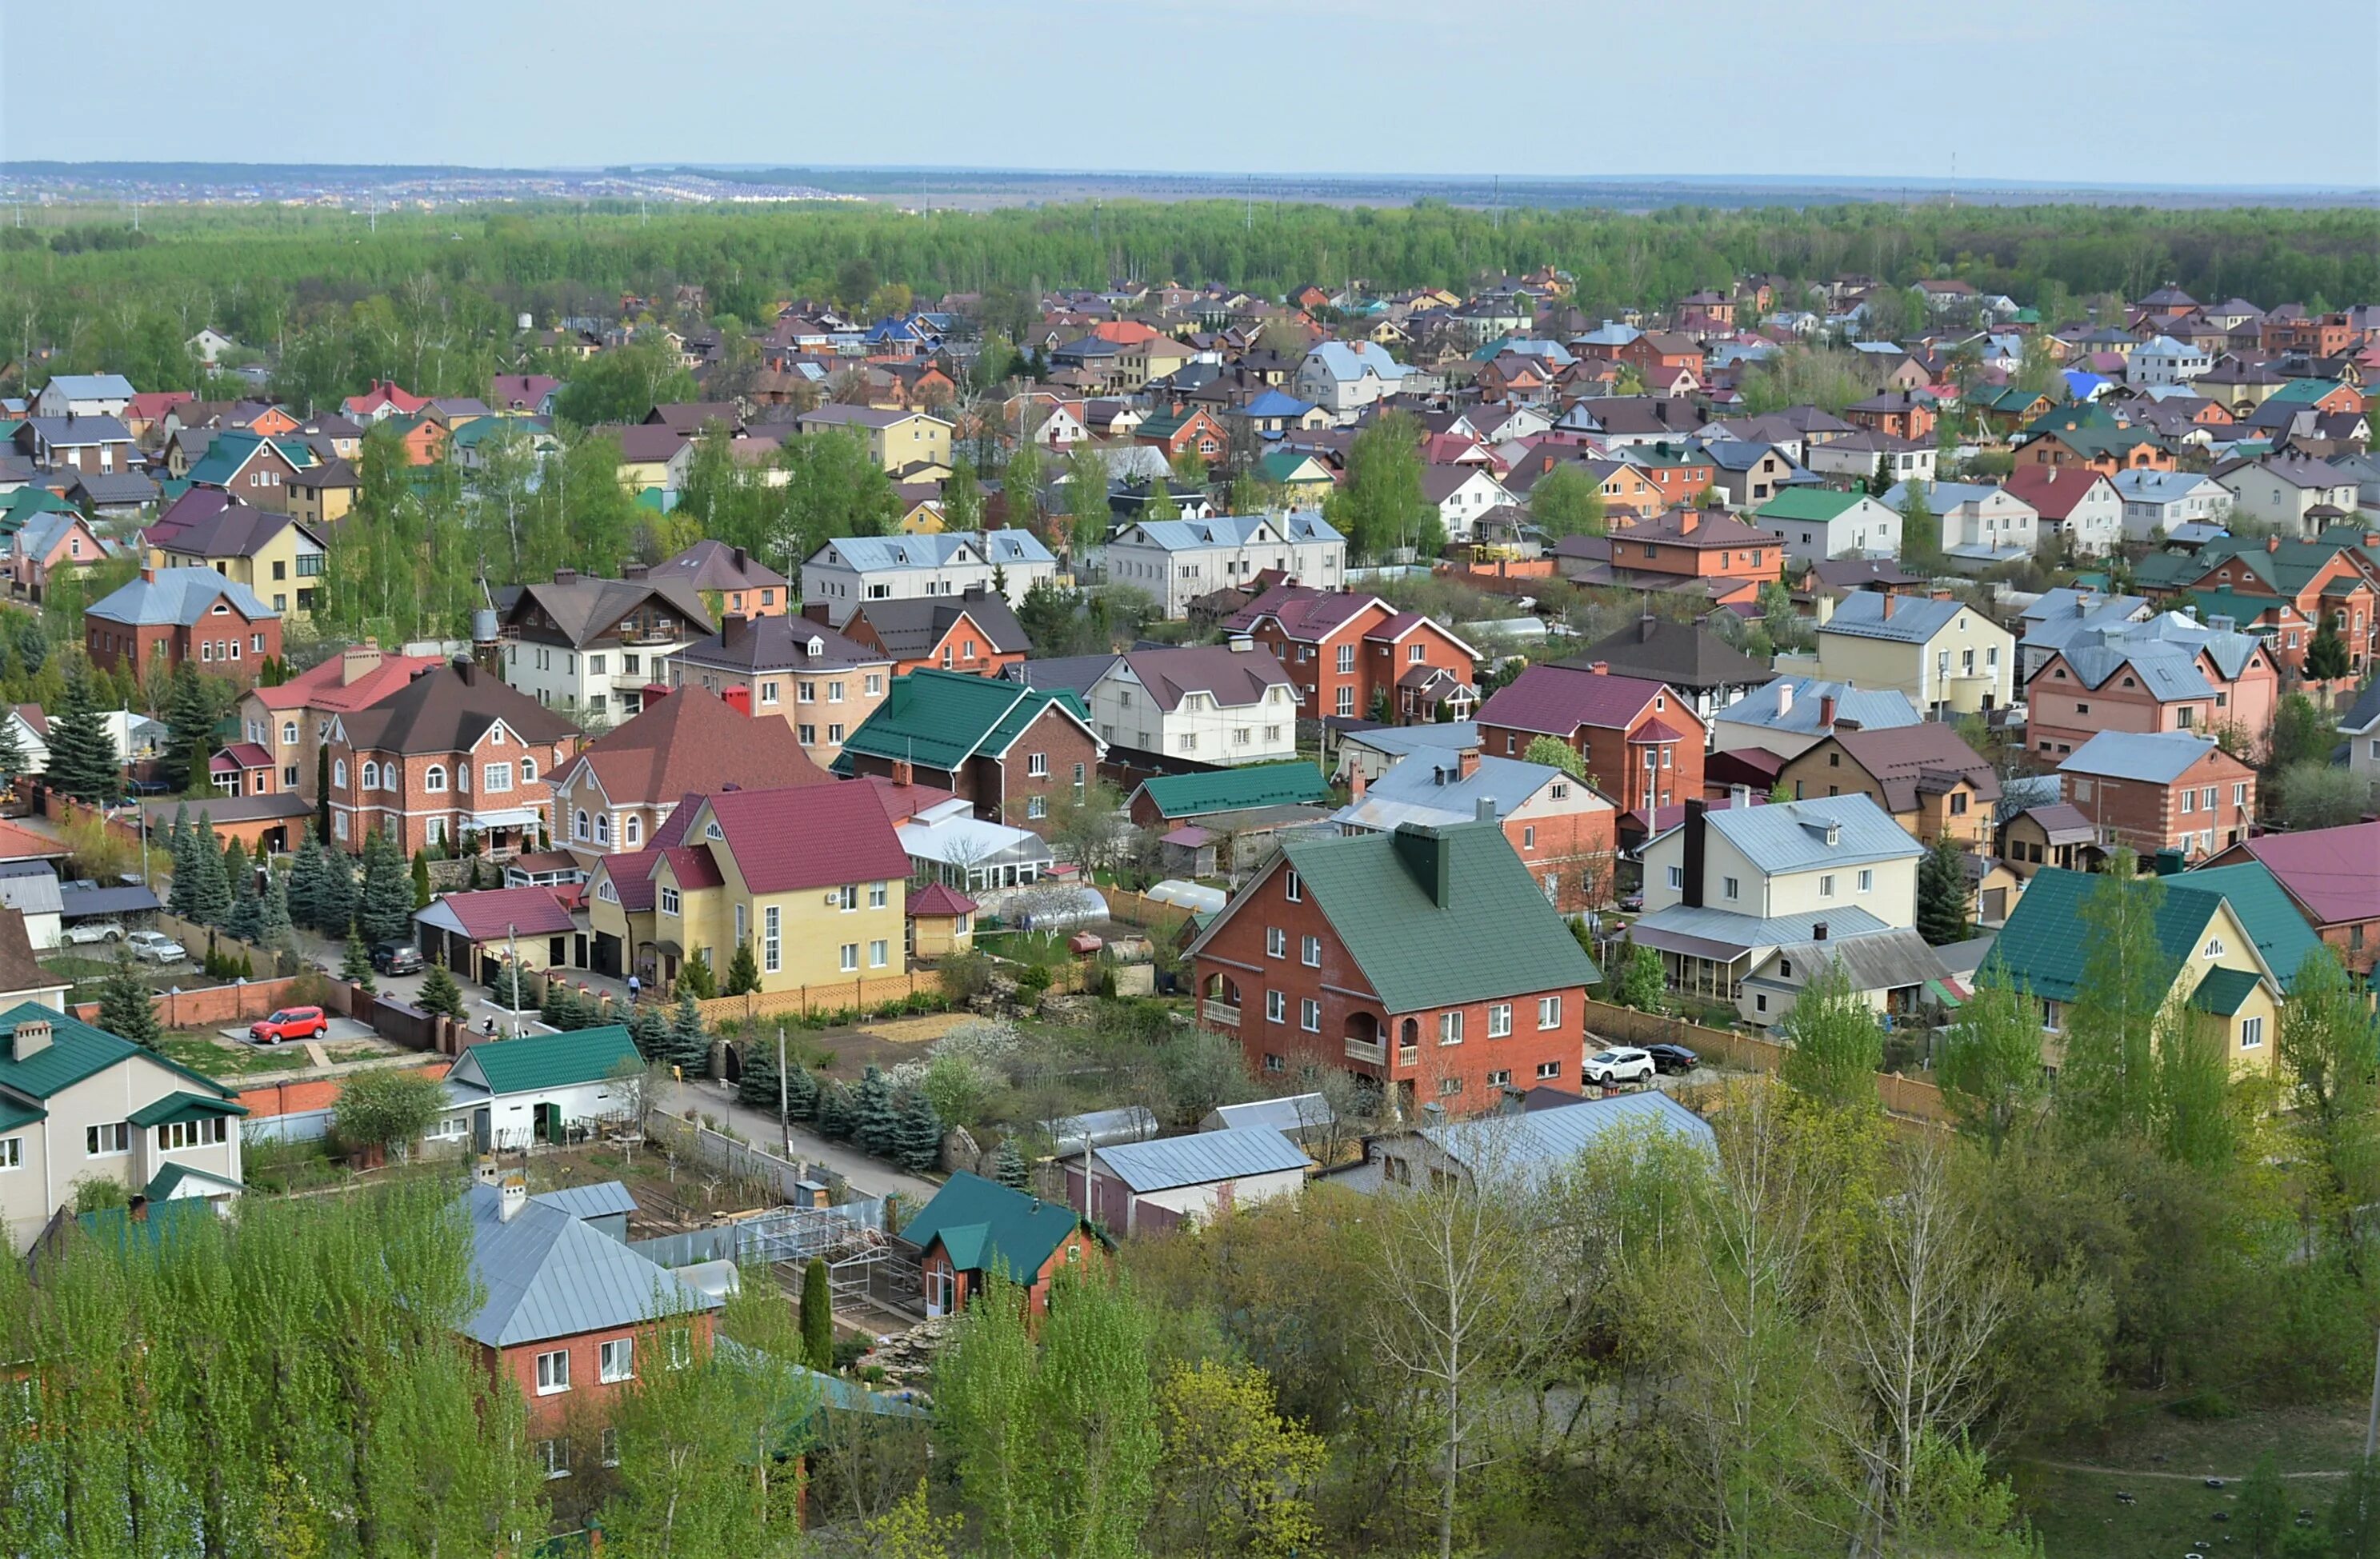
column 1631, row 903
column 397, row 958
column 1675, row 1059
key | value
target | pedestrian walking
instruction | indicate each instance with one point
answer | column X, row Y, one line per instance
column 635, row 987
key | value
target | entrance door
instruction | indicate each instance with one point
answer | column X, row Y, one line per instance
column 483, row 1128
column 607, row 955
column 549, row 1123
column 557, row 951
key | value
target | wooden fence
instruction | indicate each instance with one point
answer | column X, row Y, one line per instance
column 1907, row 1098
column 1153, row 915
column 841, row 996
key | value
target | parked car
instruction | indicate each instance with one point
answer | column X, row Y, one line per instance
column 93, row 931
column 1673, row 1058
column 396, row 958
column 290, row 1022
column 1631, row 903
column 155, row 946
column 1619, row 1064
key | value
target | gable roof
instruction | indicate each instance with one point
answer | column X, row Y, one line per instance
column 541, row 1062
column 236, row 530
column 2257, row 895
column 2335, row 873
column 2042, row 946
column 178, row 597
column 1868, row 614
column 1910, row 761
column 76, row 1051
column 911, row 626
column 447, row 709
column 807, row 836
column 1231, row 678
column 710, row 565
column 1202, row 1158
column 1557, row 700
column 694, row 740
column 583, row 606
column 1531, row 1146
column 984, row 1225
column 1792, row 836
column 1433, row 789
column 1809, row 505
column 1297, row 783
column 1682, row 655
column 488, row 914
column 2158, row 757
column 778, row 643
column 942, row 719
column 1433, row 916
column 879, row 554
column 547, row 1273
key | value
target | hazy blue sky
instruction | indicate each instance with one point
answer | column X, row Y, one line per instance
column 2055, row 91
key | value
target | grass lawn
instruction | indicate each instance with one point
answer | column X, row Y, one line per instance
column 214, row 1057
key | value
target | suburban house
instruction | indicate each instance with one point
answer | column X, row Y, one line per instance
column 1179, row 560
column 172, row 617
column 1218, row 703
column 1690, row 548
column 1460, row 494
column 2065, row 616
column 254, row 468
column 2081, row 506
column 2211, row 964
column 290, row 719
column 1565, row 831
column 1859, row 457
column 908, row 444
column 622, row 786
column 1643, row 745
column 2165, row 674
column 2166, row 501
column 1787, row 716
column 2361, row 727
column 1184, row 1179
column 1344, row 378
column 2057, row 835
column 2299, row 493
column 322, row 494
column 975, row 631
column 820, row 682
column 569, row 1306
column 51, row 544
column 744, row 586
column 812, row 876
column 1529, row 1148
column 1984, row 525
column 476, row 934
column 278, row 558
column 1257, row 798
column 2333, row 578
column 1932, row 783
column 852, row 571
column 2168, row 789
column 1008, row 749
column 84, row 394
column 1943, row 654
column 1816, row 523
column 77, row 1103
column 586, row 644
column 2333, row 878
column 1747, row 904
column 1355, row 656
column 94, row 446
column 453, row 753
column 1708, row 672
column 949, row 846
column 1425, row 960
column 974, row 1227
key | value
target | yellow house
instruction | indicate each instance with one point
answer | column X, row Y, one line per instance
column 1943, row 654
column 1153, row 358
column 275, row 555
column 908, row 445
column 812, row 876
column 322, row 495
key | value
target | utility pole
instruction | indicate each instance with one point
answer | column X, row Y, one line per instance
column 784, row 1120
column 511, row 951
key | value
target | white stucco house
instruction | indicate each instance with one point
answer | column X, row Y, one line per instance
column 1345, row 377
column 1178, row 560
column 2165, row 500
column 1221, row 704
column 2164, row 360
column 851, row 571
column 1816, row 523
column 2288, row 489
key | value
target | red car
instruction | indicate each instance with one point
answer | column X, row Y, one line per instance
column 290, row 1022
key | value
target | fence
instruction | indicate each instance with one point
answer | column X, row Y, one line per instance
column 1153, row 915
column 1904, row 1096
column 842, row 996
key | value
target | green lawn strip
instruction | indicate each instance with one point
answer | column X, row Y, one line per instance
column 207, row 1055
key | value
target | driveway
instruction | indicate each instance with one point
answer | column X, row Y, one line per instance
column 867, row 1175
column 341, row 1028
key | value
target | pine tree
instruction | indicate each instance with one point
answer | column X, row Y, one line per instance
column 272, row 923
column 834, row 1113
column 189, row 731
column 355, row 964
column 690, row 1043
column 178, row 839
column 420, row 880
column 386, row 908
column 919, row 1137
column 211, row 887
column 125, row 1010
column 441, row 994
column 757, row 1086
column 801, row 1093
column 83, row 761
column 12, row 751
column 818, row 1317
column 235, row 863
column 694, row 979
column 650, row 1032
column 2325, row 657
column 340, row 906
column 1942, row 894
column 743, row 971
column 182, row 846
column 309, row 881
column 245, row 919
column 876, row 1121
column 1010, row 1169
column 549, row 1002
column 512, row 989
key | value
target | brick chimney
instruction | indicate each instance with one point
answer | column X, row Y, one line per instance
column 732, row 627
column 2272, row 544
column 634, row 571
column 1888, row 605
column 904, row 773
column 1466, row 763
column 512, row 1196
column 1687, row 520
column 1599, row 668
column 1356, row 783
column 743, row 559
column 739, row 698
column 565, row 576
column 1825, row 710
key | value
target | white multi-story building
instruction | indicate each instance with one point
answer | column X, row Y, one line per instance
column 1344, row 377
column 2168, row 500
column 2164, row 360
column 1982, row 525
column 851, row 571
column 591, row 646
column 1178, row 560
column 1223, row 704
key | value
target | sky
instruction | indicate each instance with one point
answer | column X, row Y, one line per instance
column 2039, row 91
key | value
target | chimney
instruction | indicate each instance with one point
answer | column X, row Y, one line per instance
column 1698, row 844
column 654, row 693
column 737, row 697
column 1825, row 710
column 903, row 774
column 565, row 576
column 743, row 559
column 2272, row 544
column 1888, row 605
column 1466, row 764
column 2082, row 604
column 1644, row 626
column 148, row 575
column 1818, row 932
column 732, row 628
column 1739, row 797
column 1687, row 520
column 1784, row 699
column 1846, row 728
column 512, row 1196
column 31, row 1038
column 1484, row 810
column 359, row 662
column 1599, row 668
column 1356, row 783
column 467, row 671
column 633, row 571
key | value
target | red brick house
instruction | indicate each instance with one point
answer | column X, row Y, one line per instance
column 2322, row 580
column 1009, row 749
column 2163, row 790
column 453, row 753
column 2148, row 682
column 1643, row 743
column 1347, row 651
column 170, row 616
column 1425, row 961
column 1677, row 476
column 1564, row 830
column 976, row 632
column 1654, row 350
column 2342, row 905
column 1175, row 431
column 974, row 1227
column 1902, row 413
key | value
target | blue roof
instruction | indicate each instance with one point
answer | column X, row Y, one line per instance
column 2157, row 756
column 1201, row 1159
column 1275, row 403
column 1708, row 932
column 547, row 1273
column 1236, row 530
column 1347, row 360
column 1792, row 836
column 179, row 595
column 94, row 386
column 1794, row 704
column 1532, row 1146
column 1432, row 789
column 877, row 554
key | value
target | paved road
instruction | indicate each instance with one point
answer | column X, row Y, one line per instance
column 869, row 1176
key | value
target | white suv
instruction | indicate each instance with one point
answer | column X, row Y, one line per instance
column 1622, row 1064
column 155, row 946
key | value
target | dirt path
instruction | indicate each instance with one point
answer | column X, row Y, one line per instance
column 2136, row 1473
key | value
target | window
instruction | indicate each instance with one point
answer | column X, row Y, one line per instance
column 12, row 1152
column 1036, row 806
column 1548, row 1012
column 434, row 776
column 602, row 827
column 847, row 957
column 288, row 734
column 615, row 1361
column 1730, row 887
column 1448, row 1086
column 554, row 1456
column 2189, row 800
column 878, row 894
column 669, row 901
column 678, row 1346
column 1548, row 1070
column 1677, row 878
column 1499, row 1021
column 105, row 1142
column 1275, row 1063
column 1529, row 836
column 1276, row 942
column 2213, row 948
column 772, row 938
column 553, row 1371
column 1450, row 1027
column 1866, row 880
column 1826, row 886
column 878, row 953
column 1036, row 765
column 2251, row 1033
column 1310, row 1015
column 176, row 1135
column 1291, row 889
column 496, row 776
column 1309, row 951
column 768, row 692
column 596, row 666
column 806, row 734
column 1276, row 1006
column 834, row 692
column 2240, row 794
column 632, row 831
column 1346, row 658
column 1500, row 1079
column 806, row 693
column 372, row 778
column 875, row 685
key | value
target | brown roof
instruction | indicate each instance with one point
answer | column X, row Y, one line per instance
column 1232, row 677
column 695, row 740
column 1910, row 761
column 583, row 606
column 447, row 710
column 714, row 565
column 20, row 971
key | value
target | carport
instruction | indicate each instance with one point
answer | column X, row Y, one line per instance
column 475, row 933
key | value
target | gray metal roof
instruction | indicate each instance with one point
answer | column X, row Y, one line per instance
column 603, row 1199
column 76, row 902
column 873, row 554
column 33, row 893
column 2159, row 757
column 1791, row 704
column 1702, row 932
column 1888, row 960
column 1400, row 741
column 1432, row 789
column 1792, row 836
column 1912, row 620
column 1531, row 1147
column 548, row 1274
column 1202, row 1158
column 1293, row 1113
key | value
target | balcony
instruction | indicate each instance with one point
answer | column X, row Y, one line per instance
column 1409, row 1055
column 1222, row 1014
column 1366, row 1050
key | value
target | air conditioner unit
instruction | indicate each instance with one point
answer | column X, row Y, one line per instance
column 834, row 901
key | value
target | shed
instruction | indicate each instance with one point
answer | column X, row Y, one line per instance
column 1131, row 1187
column 974, row 1226
column 941, row 921
column 552, row 1088
column 473, row 934
column 31, row 889
column 1298, row 1116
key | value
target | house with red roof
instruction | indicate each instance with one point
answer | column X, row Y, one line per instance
column 813, row 876
column 1641, row 741
column 2078, row 503
column 2332, row 875
column 476, row 934
column 616, row 794
column 1354, row 655
column 288, row 721
column 383, row 399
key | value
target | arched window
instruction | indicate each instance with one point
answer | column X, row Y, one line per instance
column 578, row 826
column 602, row 827
column 1412, row 1034
column 339, row 774
column 372, row 777
column 632, row 832
column 434, row 776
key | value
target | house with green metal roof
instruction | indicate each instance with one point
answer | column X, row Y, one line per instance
column 2216, row 933
column 77, row 1103
column 1817, row 524
column 1427, row 961
column 253, row 467
column 553, row 1087
column 974, row 1227
column 1170, row 799
column 1010, row 750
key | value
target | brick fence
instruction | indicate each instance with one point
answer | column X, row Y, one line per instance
column 1904, row 1096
